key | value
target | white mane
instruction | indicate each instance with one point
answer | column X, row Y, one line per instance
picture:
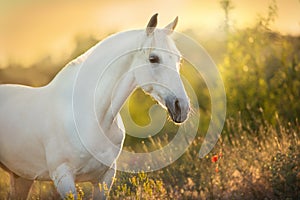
column 81, row 58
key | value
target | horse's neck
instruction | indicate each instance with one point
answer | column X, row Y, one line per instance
column 101, row 71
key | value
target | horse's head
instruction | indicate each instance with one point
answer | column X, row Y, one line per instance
column 158, row 62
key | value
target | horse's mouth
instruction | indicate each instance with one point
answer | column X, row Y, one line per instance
column 177, row 118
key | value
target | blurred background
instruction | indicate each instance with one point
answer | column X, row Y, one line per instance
column 256, row 46
column 34, row 30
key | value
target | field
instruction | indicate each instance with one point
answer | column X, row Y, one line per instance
column 245, row 164
column 258, row 153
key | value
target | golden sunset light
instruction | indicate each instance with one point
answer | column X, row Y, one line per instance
column 149, row 99
column 33, row 29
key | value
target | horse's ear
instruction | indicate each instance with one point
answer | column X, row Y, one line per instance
column 152, row 24
column 170, row 27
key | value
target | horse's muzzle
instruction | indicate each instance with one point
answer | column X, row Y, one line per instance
column 178, row 108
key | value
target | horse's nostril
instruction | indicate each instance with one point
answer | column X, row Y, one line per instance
column 177, row 106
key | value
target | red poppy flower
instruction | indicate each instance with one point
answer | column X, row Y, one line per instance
column 214, row 158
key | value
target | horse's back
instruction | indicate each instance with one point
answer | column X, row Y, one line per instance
column 9, row 90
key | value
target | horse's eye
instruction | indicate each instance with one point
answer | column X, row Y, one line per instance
column 154, row 59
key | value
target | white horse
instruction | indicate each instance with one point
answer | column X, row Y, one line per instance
column 39, row 135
